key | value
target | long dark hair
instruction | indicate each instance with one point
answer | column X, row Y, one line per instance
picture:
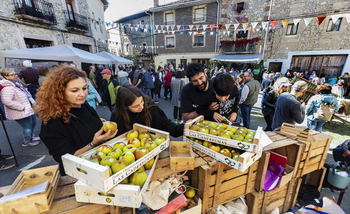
column 126, row 96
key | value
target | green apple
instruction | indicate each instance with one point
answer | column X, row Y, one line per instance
column 140, row 152
column 204, row 130
column 159, row 140
column 105, row 149
column 149, row 164
column 108, row 161
column 215, row 148
column 144, row 135
column 252, row 132
column 119, row 145
column 235, row 152
column 243, row 129
column 97, row 155
column 249, row 136
column 115, row 153
column 199, row 124
column 233, row 129
column 248, row 140
column 198, row 141
column 145, row 140
column 237, row 137
column 240, row 132
column 132, row 134
column 223, row 125
column 95, row 161
column 229, row 131
column 224, row 135
column 194, row 127
column 119, row 165
column 191, row 138
column 135, row 142
column 110, row 170
column 83, row 157
column 151, row 145
column 225, row 152
column 205, row 122
column 212, row 125
column 236, row 158
column 214, row 132
column 128, row 157
column 221, row 129
column 208, row 127
column 206, row 144
column 130, row 148
column 138, row 178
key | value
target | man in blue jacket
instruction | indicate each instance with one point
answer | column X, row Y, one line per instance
column 148, row 82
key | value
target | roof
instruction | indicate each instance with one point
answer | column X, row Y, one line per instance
column 105, row 4
column 133, row 16
column 179, row 4
column 238, row 57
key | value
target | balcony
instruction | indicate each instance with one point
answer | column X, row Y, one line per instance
column 76, row 22
column 199, row 19
column 240, row 46
column 35, row 11
column 169, row 23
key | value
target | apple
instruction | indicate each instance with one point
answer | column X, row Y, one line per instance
column 97, row 155
column 144, row 135
column 110, row 170
column 159, row 140
column 214, row 131
column 140, row 152
column 249, row 136
column 198, row 141
column 208, row 127
column 138, row 178
column 205, row 122
column 83, row 157
column 229, row 131
column 233, row 129
column 222, row 125
column 119, row 165
column 151, row 145
column 204, row 130
column 130, row 148
column 235, row 152
column 93, row 160
column 109, row 161
column 237, row 137
column 191, row 138
column 215, row 148
column 132, row 134
column 248, row 140
column 207, row 144
column 236, row 158
column 134, row 142
column 115, row 153
column 149, row 164
column 119, row 145
column 225, row 152
column 224, row 135
column 109, row 125
column 221, row 129
column 194, row 127
column 105, row 149
column 190, row 193
column 252, row 132
column 243, row 129
column 145, row 140
column 128, row 157
column 212, row 125
column 199, row 124
column 240, row 132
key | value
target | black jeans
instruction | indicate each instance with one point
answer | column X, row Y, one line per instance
column 167, row 89
column 177, row 109
column 268, row 118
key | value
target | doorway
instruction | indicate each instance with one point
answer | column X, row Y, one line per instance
column 275, row 66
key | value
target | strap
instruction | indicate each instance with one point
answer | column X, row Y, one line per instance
column 80, row 121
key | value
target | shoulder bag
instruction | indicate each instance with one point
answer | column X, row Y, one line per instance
column 325, row 112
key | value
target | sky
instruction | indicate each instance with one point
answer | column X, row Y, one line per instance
column 120, row 8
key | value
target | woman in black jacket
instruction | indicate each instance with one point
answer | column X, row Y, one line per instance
column 133, row 107
column 268, row 109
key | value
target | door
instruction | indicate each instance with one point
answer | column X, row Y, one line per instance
column 333, row 65
column 275, row 66
column 147, row 63
column 70, row 10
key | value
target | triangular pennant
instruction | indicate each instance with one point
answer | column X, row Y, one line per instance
column 146, row 26
column 204, row 27
column 307, row 21
column 157, row 27
column 159, row 31
column 296, row 21
column 190, row 32
column 219, row 26
column 228, row 32
column 186, row 32
column 177, row 32
column 236, row 26
column 348, row 17
column 320, row 19
column 254, row 25
column 227, row 26
column 132, row 28
column 138, row 26
column 197, row 26
column 335, row 18
column 191, row 26
column 211, row 33
column 173, row 27
column 207, row 33
column 184, row 27
column 154, row 30
column 178, row 27
column 274, row 23
column 285, row 22
column 181, row 33
column 167, row 28
column 264, row 25
column 162, row 27
column 129, row 25
column 173, row 32
column 212, row 27
column 245, row 26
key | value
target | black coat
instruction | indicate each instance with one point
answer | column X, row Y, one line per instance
column 269, row 103
column 157, row 83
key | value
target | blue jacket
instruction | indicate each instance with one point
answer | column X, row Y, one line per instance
column 90, row 99
column 315, row 102
column 332, row 81
column 148, row 80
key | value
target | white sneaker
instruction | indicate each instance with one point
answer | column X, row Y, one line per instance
column 181, row 122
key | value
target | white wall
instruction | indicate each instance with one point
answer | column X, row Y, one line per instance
column 162, row 59
column 96, row 7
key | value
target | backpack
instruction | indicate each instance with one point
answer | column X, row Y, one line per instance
column 136, row 76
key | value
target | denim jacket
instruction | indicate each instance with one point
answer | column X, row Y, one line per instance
column 315, row 102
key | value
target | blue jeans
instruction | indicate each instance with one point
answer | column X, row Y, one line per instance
column 263, row 97
column 33, row 91
column 245, row 113
column 28, row 125
column 147, row 91
column 167, row 89
column 317, row 126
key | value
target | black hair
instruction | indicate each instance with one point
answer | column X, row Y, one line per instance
column 224, row 84
column 193, row 69
column 179, row 74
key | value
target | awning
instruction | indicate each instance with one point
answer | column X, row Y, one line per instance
column 115, row 59
column 238, row 57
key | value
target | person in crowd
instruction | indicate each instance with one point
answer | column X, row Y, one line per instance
column 176, row 85
column 338, row 89
column 131, row 74
column 2, row 108
column 156, row 90
column 122, row 76
column 288, row 74
column 324, row 96
column 148, row 83
column 213, row 71
column 240, row 82
column 226, row 95
column 137, row 77
column 312, row 76
column 346, row 79
column 295, row 74
column 265, row 86
column 233, row 73
column 332, row 81
column 167, row 85
column 315, row 79
column 193, row 92
column 268, row 107
column 133, row 107
column 306, row 75
column 92, row 76
column 265, row 75
column 92, row 94
column 42, row 71
column 18, row 106
column 278, row 75
column 73, row 65
column 287, row 107
column 69, row 123
column 109, row 88
column 249, row 97
column 30, row 76
column 99, row 80
column 322, row 79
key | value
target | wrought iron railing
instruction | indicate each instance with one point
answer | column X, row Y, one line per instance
column 36, row 8
column 199, row 19
column 76, row 21
column 243, row 48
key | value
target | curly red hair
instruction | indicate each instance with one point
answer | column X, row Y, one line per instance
column 50, row 100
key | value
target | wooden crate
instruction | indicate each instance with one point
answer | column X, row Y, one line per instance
column 33, row 203
column 193, row 210
column 181, row 155
column 297, row 132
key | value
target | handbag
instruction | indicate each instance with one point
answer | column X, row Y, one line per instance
column 325, row 112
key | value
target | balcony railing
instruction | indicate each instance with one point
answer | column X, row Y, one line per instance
column 76, row 22
column 35, row 10
column 199, row 19
column 249, row 48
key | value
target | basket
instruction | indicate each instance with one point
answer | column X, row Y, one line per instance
column 338, row 180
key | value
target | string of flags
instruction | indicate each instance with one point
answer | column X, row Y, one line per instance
column 223, row 29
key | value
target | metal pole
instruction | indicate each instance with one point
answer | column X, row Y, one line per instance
column 267, row 28
column 8, row 139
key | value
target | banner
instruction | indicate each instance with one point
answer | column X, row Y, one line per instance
column 320, row 19
column 307, row 21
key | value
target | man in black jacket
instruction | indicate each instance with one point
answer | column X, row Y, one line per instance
column 265, row 86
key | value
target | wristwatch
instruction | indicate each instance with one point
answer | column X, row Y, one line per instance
column 90, row 146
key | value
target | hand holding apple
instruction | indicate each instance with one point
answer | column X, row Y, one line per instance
column 99, row 137
column 109, row 125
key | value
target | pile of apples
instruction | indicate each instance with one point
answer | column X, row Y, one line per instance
column 225, row 131
column 224, row 150
column 121, row 155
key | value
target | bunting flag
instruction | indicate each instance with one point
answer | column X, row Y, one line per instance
column 254, row 24
column 161, row 27
column 227, row 26
column 285, row 22
column 181, row 33
column 157, row 27
column 178, row 27
column 212, row 27
column 154, row 30
column 184, row 27
column 137, row 26
column 335, row 18
column 211, row 33
column 207, row 33
column 274, row 23
column 191, row 26
column 197, row 27
column 307, row 21
column 147, row 26
column 296, row 21
column 228, row 32
column 129, row 25
column 320, row 19
column 348, row 17
column 190, row 33
column 219, row 26
column 236, row 26
column 245, row 25
column 173, row 27
column 264, row 25
column 159, row 31
column 204, row 27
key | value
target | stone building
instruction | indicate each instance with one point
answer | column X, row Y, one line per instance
column 42, row 23
column 321, row 47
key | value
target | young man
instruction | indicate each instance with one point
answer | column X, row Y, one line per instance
column 193, row 92
column 30, row 76
column 92, row 76
column 110, row 88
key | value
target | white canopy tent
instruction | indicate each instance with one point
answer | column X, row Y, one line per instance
column 117, row 60
column 55, row 53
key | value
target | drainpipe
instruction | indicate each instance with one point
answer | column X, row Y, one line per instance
column 267, row 28
column 217, row 22
column 150, row 21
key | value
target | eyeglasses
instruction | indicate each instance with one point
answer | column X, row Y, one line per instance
column 12, row 75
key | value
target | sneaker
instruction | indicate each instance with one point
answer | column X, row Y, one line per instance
column 181, row 122
column 6, row 157
column 5, row 166
column 156, row 101
column 36, row 139
column 30, row 143
column 176, row 121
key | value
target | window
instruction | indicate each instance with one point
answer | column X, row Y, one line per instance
column 93, row 17
column 292, row 29
column 99, row 21
column 35, row 43
column 82, row 46
column 70, row 9
column 198, row 41
column 169, row 18
column 142, row 22
column 199, row 14
column 169, row 42
column 334, row 27
column 240, row 7
column 242, row 34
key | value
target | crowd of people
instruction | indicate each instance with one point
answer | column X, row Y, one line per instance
column 65, row 99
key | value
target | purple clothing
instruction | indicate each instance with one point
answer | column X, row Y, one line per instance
column 30, row 76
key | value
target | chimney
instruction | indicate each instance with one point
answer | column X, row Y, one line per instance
column 155, row 3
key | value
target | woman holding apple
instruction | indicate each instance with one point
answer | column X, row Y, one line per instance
column 133, row 107
column 69, row 123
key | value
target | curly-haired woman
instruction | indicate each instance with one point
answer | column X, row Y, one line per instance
column 70, row 124
column 18, row 107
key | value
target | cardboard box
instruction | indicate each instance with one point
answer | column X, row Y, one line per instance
column 245, row 160
column 260, row 139
column 123, row 195
column 181, row 155
column 98, row 176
